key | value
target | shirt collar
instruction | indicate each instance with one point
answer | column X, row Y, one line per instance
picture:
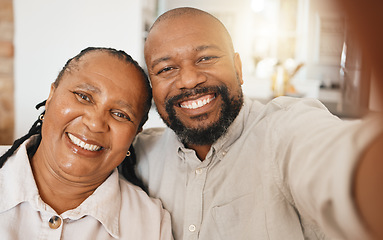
column 16, row 173
column 235, row 130
column 175, row 144
column 104, row 204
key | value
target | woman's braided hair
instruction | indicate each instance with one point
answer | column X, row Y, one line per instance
column 127, row 167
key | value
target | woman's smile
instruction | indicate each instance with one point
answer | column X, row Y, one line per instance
column 82, row 144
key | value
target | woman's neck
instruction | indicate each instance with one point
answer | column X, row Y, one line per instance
column 59, row 193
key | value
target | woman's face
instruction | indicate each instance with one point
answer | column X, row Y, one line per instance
column 92, row 117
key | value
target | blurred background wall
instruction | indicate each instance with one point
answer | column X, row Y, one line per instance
column 48, row 33
column 6, row 72
column 304, row 38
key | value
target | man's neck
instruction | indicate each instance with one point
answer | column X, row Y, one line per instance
column 201, row 150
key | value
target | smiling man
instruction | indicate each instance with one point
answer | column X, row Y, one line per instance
column 192, row 75
column 228, row 167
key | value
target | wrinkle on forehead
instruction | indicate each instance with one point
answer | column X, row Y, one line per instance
column 164, row 26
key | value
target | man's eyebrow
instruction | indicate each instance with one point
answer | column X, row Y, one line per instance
column 89, row 87
column 197, row 49
column 159, row 60
column 204, row 47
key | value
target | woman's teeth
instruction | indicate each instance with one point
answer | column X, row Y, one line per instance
column 196, row 103
column 86, row 146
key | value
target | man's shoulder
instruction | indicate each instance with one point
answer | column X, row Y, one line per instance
column 149, row 135
column 152, row 132
column 152, row 137
column 284, row 103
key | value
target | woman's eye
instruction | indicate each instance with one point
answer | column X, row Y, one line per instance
column 121, row 116
column 83, row 97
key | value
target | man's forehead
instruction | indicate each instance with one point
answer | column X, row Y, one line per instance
column 197, row 29
column 181, row 27
column 199, row 34
column 187, row 19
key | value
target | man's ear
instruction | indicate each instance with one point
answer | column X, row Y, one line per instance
column 238, row 67
column 53, row 89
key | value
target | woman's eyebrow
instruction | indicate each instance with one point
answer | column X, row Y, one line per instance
column 120, row 103
column 128, row 106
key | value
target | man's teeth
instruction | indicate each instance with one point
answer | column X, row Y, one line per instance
column 196, row 104
column 86, row 146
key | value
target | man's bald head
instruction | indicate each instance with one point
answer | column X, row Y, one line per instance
column 183, row 13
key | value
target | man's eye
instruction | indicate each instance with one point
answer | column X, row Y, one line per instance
column 83, row 97
column 164, row 70
column 206, row 58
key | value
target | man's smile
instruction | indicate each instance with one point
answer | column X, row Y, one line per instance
column 197, row 103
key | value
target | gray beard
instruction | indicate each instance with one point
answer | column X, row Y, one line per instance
column 210, row 134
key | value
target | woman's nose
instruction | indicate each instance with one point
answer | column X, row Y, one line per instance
column 96, row 120
column 189, row 78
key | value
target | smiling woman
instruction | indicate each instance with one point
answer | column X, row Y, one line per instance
column 65, row 168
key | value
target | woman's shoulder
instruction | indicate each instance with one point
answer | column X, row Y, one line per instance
column 136, row 196
column 4, row 148
column 137, row 208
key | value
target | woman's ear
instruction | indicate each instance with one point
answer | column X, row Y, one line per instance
column 53, row 89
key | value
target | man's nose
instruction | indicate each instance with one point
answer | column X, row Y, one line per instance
column 96, row 120
column 189, row 78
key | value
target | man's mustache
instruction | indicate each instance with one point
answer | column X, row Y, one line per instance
column 192, row 92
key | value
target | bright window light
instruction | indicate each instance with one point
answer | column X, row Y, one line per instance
column 257, row 5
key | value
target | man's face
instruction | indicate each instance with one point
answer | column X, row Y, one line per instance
column 196, row 77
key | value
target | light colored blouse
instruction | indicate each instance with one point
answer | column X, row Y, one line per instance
column 116, row 210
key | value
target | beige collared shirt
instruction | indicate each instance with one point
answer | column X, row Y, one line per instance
column 283, row 171
column 116, row 210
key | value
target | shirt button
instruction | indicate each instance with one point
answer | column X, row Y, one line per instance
column 54, row 222
column 198, row 171
column 192, row 228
